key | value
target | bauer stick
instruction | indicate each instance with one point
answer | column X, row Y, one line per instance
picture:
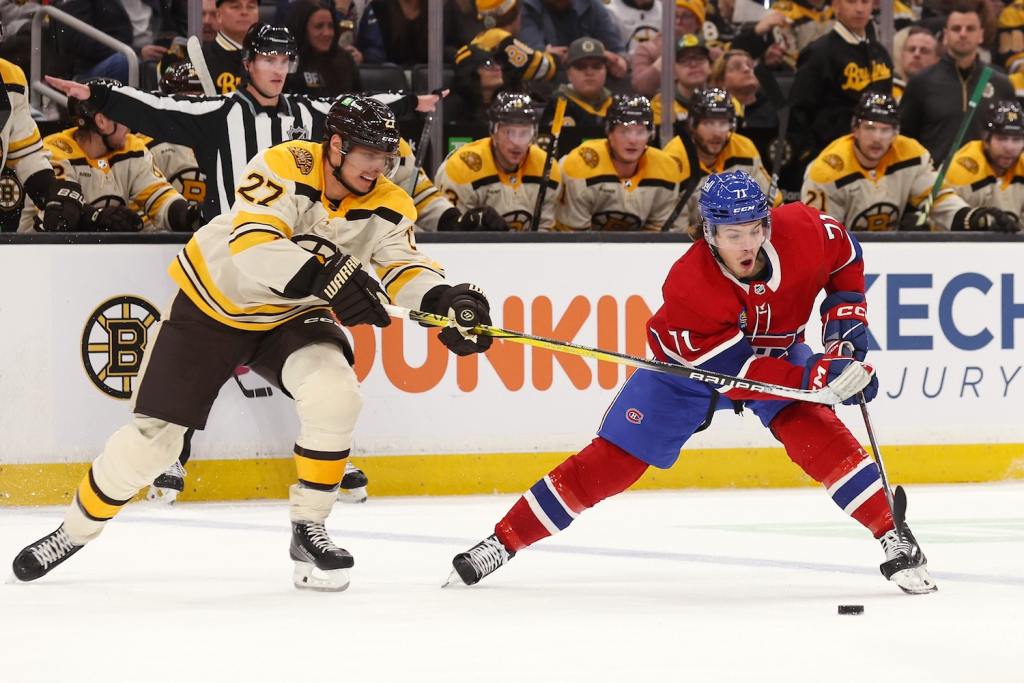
column 195, row 55
column 781, row 105
column 556, row 130
column 972, row 105
column 722, row 381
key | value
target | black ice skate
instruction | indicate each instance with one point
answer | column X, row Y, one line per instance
column 905, row 564
column 479, row 561
column 319, row 564
column 167, row 486
column 353, row 485
column 39, row 558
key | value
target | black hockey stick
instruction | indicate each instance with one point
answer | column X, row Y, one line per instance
column 691, row 183
column 897, row 499
column 556, row 130
column 421, row 151
column 780, row 104
column 259, row 392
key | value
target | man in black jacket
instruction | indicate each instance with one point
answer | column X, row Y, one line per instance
column 935, row 100
column 832, row 74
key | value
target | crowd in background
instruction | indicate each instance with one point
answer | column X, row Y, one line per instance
column 740, row 71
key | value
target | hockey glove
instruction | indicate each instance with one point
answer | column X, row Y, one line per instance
column 844, row 320
column 845, row 376
column 183, row 216
column 63, row 208
column 354, row 296
column 985, row 218
column 484, row 218
column 467, row 306
column 110, row 219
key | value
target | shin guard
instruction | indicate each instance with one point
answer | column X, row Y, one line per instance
column 599, row 471
column 817, row 440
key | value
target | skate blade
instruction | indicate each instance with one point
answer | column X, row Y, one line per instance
column 307, row 577
column 914, row 581
column 161, row 496
column 453, row 580
column 356, row 495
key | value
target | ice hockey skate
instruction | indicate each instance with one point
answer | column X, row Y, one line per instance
column 39, row 558
column 905, row 564
column 353, row 485
column 166, row 487
column 479, row 561
column 320, row 565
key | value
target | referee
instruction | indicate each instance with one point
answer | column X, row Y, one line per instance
column 226, row 132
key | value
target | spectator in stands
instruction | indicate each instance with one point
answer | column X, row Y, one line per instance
column 123, row 192
column 919, row 51
column 551, row 25
column 324, row 68
column 935, row 100
column 476, row 80
column 586, row 67
column 1010, row 37
column 785, row 30
column 986, row 172
column 498, row 43
column 692, row 68
column 137, row 23
column 758, row 120
column 619, row 182
column 833, row 73
column 224, row 54
column 902, row 14
column 646, row 76
column 211, row 26
column 868, row 178
column 16, row 43
column 638, row 21
column 395, row 32
column 716, row 148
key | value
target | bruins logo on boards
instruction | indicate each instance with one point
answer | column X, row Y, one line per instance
column 113, row 342
column 880, row 216
column 303, row 159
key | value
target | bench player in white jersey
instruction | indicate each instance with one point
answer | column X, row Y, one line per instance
column 502, row 174
column 990, row 172
column 876, row 179
column 261, row 285
column 26, row 176
column 619, row 182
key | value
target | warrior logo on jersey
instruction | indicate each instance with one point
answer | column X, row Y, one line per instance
column 880, row 216
column 518, row 220
column 615, row 220
column 114, row 341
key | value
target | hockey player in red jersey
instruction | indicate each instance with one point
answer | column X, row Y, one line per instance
column 736, row 303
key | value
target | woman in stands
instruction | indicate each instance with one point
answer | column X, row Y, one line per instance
column 325, row 69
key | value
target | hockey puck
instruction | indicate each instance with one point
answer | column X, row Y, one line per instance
column 851, row 609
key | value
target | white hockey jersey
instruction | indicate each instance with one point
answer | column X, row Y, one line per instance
column 178, row 164
column 429, row 201
column 636, row 25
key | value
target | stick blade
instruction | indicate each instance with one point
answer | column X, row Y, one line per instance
column 899, row 507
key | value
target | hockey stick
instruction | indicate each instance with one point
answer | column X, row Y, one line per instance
column 724, row 382
column 897, row 499
column 556, row 130
column 195, row 55
column 691, row 183
column 781, row 105
column 972, row 105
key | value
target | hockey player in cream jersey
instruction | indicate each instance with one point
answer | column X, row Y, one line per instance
column 502, row 172
column 260, row 285
column 121, row 186
column 989, row 172
column 620, row 182
column 874, row 178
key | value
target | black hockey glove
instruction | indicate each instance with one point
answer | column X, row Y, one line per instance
column 110, row 219
column 354, row 296
column 467, row 306
column 183, row 216
column 63, row 208
column 484, row 218
column 985, row 218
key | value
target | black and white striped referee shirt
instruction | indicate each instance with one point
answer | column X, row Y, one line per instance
column 224, row 132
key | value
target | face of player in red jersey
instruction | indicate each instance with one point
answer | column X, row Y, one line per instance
column 739, row 247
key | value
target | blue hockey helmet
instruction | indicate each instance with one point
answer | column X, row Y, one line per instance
column 729, row 199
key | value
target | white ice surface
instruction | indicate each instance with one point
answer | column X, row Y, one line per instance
column 668, row 586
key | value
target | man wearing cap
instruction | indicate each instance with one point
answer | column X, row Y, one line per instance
column 716, row 148
column 987, row 172
column 224, row 54
column 868, row 178
column 551, row 25
column 638, row 20
column 586, row 66
column 692, row 68
column 501, row 173
column 498, row 42
column 619, row 183
column 646, row 59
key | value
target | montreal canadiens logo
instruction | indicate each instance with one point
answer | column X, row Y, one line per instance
column 114, row 341
column 634, row 416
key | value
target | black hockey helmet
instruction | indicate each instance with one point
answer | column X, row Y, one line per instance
column 180, row 79
column 512, row 107
column 1005, row 117
column 629, row 110
column 364, row 121
column 264, row 39
column 83, row 112
column 877, row 106
column 713, row 103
